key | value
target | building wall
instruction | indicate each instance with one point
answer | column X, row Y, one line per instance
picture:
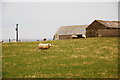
column 103, row 33
column 61, row 37
column 56, row 37
column 91, row 33
column 108, row 32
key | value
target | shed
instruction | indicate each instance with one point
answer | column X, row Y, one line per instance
column 70, row 32
column 100, row 28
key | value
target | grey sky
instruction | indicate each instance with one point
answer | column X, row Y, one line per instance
column 42, row 19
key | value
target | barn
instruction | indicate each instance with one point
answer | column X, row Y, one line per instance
column 70, row 32
column 100, row 28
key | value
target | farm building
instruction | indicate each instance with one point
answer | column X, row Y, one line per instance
column 100, row 28
column 70, row 32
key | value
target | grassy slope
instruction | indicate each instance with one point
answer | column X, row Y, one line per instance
column 78, row 58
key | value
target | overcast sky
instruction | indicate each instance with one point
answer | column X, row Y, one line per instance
column 42, row 19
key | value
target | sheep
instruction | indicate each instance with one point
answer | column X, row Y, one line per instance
column 84, row 36
column 44, row 46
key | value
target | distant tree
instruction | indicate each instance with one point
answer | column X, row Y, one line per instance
column 44, row 39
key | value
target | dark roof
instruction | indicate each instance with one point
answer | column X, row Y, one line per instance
column 70, row 30
column 110, row 24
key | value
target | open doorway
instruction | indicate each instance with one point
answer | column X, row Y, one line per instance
column 79, row 36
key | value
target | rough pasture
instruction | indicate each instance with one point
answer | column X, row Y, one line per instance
column 76, row 58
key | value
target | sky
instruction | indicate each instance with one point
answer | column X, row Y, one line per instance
column 38, row 20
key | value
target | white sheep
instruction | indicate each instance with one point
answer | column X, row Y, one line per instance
column 44, row 46
column 84, row 36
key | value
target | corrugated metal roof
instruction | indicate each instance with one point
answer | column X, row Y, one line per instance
column 110, row 24
column 70, row 30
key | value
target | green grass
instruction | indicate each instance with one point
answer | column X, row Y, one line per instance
column 75, row 58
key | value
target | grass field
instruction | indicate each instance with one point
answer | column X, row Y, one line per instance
column 75, row 58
